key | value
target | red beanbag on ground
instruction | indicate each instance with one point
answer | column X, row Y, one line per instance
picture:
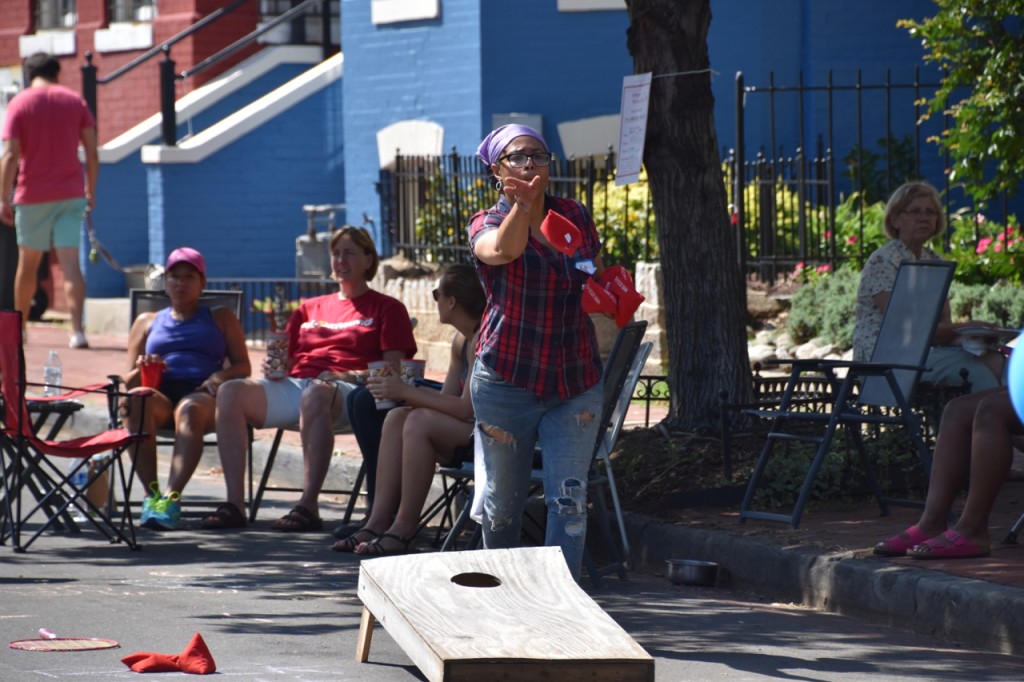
column 196, row 659
column 597, row 299
column 617, row 280
column 562, row 234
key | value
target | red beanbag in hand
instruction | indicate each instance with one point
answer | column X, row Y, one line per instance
column 562, row 234
column 617, row 280
column 597, row 299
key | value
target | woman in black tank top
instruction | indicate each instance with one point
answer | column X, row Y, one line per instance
column 432, row 427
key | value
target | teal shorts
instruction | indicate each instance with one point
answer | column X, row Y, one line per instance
column 51, row 224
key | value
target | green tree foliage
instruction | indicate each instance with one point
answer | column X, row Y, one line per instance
column 979, row 44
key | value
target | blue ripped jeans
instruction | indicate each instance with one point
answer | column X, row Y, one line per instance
column 510, row 422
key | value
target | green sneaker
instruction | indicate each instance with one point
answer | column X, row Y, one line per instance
column 149, row 503
column 161, row 513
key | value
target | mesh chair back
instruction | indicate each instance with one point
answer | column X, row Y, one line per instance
column 617, row 365
column 150, row 301
column 913, row 311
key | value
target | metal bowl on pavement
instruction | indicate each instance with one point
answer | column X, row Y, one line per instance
column 692, row 572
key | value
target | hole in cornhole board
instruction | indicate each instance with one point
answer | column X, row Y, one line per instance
column 476, row 580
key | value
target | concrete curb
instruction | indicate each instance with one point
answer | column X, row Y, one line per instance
column 972, row 613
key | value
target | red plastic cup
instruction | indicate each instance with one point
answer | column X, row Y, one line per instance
column 152, row 372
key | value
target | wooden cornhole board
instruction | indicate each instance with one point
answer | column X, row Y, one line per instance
column 517, row 616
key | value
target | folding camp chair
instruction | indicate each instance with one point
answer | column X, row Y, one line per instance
column 622, row 371
column 876, row 392
column 256, row 498
column 153, row 300
column 39, row 465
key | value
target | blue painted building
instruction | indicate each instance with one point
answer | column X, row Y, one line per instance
column 425, row 76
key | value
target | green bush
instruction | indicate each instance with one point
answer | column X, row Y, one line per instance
column 984, row 251
column 824, row 307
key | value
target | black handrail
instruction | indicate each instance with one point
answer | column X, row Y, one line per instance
column 168, row 77
column 90, row 80
column 301, row 8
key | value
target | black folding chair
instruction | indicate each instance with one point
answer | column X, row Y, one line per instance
column 621, row 373
column 880, row 391
column 153, row 300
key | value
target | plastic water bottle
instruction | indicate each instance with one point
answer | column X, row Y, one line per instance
column 79, row 479
column 53, row 371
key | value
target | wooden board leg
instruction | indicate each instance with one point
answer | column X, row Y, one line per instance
column 366, row 623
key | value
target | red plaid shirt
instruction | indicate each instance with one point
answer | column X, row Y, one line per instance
column 534, row 332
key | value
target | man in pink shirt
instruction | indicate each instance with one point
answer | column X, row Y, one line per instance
column 44, row 126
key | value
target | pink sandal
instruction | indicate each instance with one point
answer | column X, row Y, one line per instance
column 898, row 545
column 949, row 545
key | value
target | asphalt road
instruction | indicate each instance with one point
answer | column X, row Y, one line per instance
column 284, row 607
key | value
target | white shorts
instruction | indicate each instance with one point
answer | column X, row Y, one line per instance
column 945, row 362
column 284, row 397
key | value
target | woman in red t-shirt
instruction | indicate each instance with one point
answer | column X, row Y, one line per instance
column 331, row 340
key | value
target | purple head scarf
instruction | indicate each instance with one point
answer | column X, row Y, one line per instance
column 490, row 149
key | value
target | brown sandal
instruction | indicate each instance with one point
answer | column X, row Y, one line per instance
column 227, row 516
column 298, row 520
column 376, row 548
column 350, row 543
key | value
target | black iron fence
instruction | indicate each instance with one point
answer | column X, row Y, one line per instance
column 258, row 296
column 428, row 201
column 787, row 208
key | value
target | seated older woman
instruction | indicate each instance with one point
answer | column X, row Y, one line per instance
column 331, row 340
column 912, row 217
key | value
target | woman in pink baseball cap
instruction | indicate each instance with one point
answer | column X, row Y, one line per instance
column 198, row 348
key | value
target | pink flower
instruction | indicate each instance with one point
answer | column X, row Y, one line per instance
column 980, row 218
column 851, row 240
column 997, row 248
column 983, row 244
column 822, row 269
column 828, row 234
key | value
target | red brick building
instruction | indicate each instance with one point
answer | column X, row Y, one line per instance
column 116, row 32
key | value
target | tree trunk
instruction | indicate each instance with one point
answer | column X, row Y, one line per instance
column 704, row 287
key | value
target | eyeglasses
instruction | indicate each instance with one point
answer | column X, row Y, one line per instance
column 436, row 293
column 517, row 160
column 929, row 213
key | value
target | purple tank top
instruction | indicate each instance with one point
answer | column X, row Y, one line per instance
column 193, row 349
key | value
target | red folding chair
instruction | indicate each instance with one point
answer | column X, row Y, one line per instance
column 39, row 466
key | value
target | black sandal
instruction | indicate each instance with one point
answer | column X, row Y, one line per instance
column 375, row 548
column 350, row 543
column 227, row 516
column 298, row 520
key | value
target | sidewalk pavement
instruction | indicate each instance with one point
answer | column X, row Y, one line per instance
column 825, row 564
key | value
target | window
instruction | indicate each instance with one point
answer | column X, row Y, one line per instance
column 131, row 10
column 56, row 14
column 303, row 30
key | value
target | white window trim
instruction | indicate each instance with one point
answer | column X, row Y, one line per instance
column 396, row 11
column 590, row 5
column 58, row 42
column 589, row 136
column 121, row 36
column 411, row 137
